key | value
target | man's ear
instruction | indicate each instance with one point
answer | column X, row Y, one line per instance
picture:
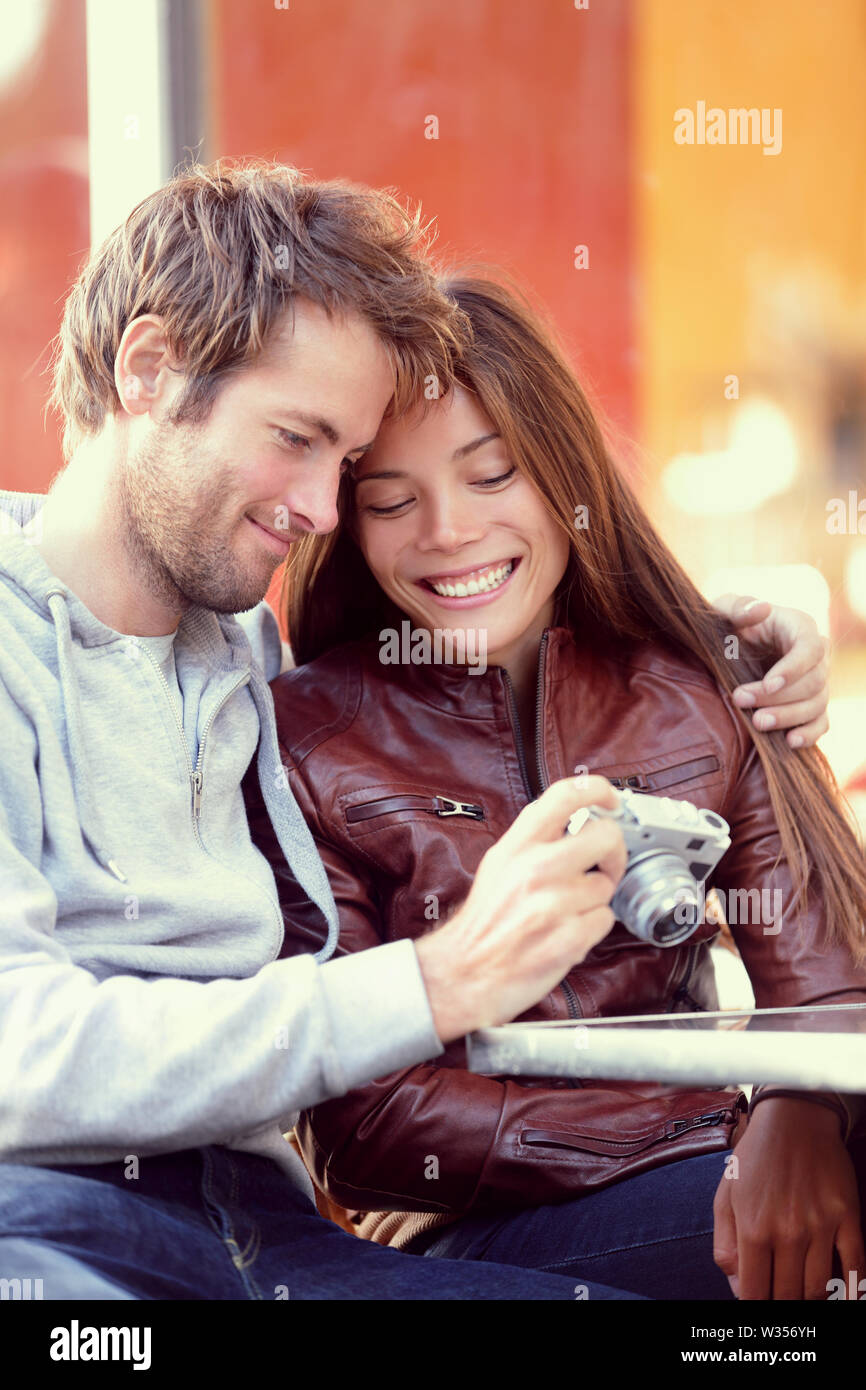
column 145, row 370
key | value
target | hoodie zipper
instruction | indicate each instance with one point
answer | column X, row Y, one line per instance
column 196, row 776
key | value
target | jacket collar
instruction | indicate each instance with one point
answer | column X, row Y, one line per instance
column 464, row 689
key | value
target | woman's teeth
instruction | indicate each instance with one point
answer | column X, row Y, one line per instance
column 478, row 582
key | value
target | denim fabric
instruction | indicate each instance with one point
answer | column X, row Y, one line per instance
column 214, row 1223
column 652, row 1234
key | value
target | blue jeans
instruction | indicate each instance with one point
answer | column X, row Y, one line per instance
column 652, row 1234
column 212, row 1223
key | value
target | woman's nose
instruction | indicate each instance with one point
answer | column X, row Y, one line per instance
column 447, row 525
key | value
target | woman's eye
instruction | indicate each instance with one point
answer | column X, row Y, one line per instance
column 386, row 511
column 492, row 482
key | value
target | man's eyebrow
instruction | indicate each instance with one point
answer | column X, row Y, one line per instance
column 461, row 453
column 318, row 422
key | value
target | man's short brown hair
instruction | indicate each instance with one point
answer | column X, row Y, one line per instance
column 219, row 251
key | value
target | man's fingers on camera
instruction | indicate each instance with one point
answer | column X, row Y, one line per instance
column 546, row 818
column 599, row 844
column 594, row 889
column 586, row 931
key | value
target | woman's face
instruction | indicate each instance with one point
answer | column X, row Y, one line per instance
column 454, row 534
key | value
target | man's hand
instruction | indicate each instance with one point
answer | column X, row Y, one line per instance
column 793, row 694
column 794, row 1200
column 537, row 906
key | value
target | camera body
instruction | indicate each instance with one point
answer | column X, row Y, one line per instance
column 672, row 847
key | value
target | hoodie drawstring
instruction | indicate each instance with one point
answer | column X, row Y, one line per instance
column 88, row 808
column 292, row 830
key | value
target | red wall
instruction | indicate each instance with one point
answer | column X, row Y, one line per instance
column 533, row 155
column 44, row 234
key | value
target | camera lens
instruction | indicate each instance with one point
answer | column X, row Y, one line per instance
column 675, row 925
column 657, row 899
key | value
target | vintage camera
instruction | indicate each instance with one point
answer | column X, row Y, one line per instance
column 672, row 847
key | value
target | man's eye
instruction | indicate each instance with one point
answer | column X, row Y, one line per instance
column 491, row 482
column 294, row 441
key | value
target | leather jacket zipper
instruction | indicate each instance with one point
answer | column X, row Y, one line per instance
column 571, row 1000
column 515, row 721
column 434, row 805
column 665, row 777
column 699, row 1122
column 610, row 1144
column 681, row 993
column 539, row 701
column 518, row 737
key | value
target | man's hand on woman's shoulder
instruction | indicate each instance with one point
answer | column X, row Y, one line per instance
column 794, row 692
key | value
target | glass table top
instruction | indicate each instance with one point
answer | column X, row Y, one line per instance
column 820, row 1047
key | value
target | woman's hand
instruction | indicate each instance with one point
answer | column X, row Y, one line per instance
column 793, row 1200
column 793, row 694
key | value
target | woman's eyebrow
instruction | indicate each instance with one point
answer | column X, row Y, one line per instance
column 461, row 453
column 387, row 473
column 465, row 449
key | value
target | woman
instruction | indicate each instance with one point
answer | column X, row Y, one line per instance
column 600, row 655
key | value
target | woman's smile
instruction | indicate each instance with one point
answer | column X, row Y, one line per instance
column 468, row 588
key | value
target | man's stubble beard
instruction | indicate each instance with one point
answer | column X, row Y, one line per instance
column 177, row 525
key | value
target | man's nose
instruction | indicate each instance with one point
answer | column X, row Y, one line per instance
column 312, row 503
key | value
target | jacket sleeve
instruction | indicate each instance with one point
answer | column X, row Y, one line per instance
column 93, row 1067
column 436, row 1137
column 788, row 960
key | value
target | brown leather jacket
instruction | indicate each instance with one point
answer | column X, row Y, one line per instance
column 407, row 775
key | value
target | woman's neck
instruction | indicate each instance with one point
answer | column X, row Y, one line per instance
column 520, row 658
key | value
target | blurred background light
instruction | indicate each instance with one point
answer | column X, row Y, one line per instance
column 793, row 586
column 855, row 582
column 23, row 25
column 128, row 108
column 759, row 463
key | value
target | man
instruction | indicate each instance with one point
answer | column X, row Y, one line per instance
column 222, row 357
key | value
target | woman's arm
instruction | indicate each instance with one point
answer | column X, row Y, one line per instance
column 794, row 1198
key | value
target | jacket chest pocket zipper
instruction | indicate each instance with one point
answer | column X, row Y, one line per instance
column 434, row 805
column 666, row 777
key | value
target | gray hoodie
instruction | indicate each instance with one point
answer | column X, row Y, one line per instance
column 142, row 1006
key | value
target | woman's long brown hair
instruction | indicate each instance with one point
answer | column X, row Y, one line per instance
column 621, row 581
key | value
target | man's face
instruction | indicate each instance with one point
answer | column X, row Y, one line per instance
column 210, row 510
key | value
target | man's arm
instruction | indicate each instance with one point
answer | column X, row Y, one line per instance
column 96, row 1067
